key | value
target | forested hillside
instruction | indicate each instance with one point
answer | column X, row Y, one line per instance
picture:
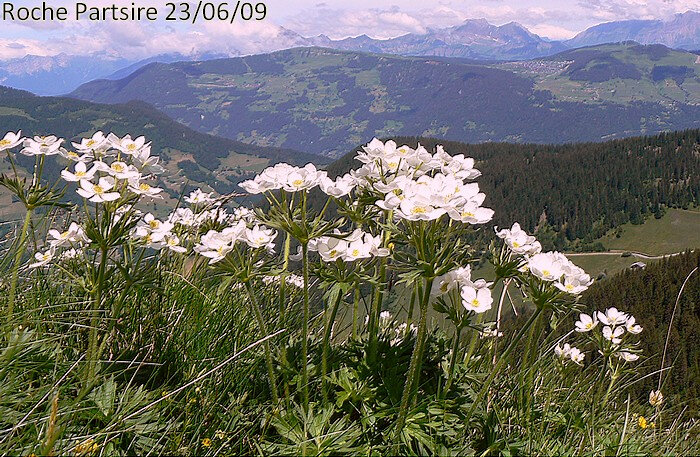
column 202, row 159
column 650, row 295
column 580, row 191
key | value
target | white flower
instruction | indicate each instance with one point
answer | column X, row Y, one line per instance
column 574, row 285
column 172, row 242
column 214, row 245
column 546, row 266
column 119, row 170
column 627, row 356
column 42, row 258
column 612, row 317
column 146, row 163
column 41, row 145
column 157, row 228
column 613, row 335
column 564, row 351
column 302, row 178
column 126, row 144
column 98, row 193
column 576, row 355
column 586, row 323
column 260, row 237
column 74, row 234
column 11, row 140
column 81, row 172
column 338, row 188
column 142, row 188
column 519, row 241
column 454, row 279
column 97, row 141
column 198, row 196
column 632, row 327
column 490, row 332
column 656, row 398
column 74, row 156
column 417, row 209
column 471, row 213
column 329, row 248
column 476, row 300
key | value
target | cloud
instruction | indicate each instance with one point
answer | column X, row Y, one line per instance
column 552, row 32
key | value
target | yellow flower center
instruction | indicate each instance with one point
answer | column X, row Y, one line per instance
column 333, row 253
column 154, row 224
column 419, row 210
column 516, row 244
column 80, row 174
column 117, row 167
column 355, row 252
column 90, row 143
column 467, row 214
column 298, row 182
column 144, row 187
column 546, row 272
column 475, row 303
column 131, row 147
column 72, row 154
column 98, row 189
column 5, row 142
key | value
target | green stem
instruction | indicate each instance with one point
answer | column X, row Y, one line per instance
column 266, row 344
column 501, row 362
column 326, row 343
column 94, row 312
column 416, row 360
column 305, row 328
column 355, row 309
column 453, row 360
column 15, row 267
column 376, row 308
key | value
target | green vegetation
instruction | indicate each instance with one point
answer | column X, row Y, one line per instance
column 327, row 101
column 123, row 334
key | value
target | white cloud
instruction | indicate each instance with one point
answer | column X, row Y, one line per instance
column 552, row 32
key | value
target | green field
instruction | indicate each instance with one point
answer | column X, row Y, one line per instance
column 676, row 231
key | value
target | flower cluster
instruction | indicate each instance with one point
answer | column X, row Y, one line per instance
column 613, row 338
column 355, row 246
column 555, row 267
column 475, row 294
column 216, row 245
column 569, row 353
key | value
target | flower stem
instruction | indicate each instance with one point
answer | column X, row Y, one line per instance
column 305, row 328
column 416, row 360
column 453, row 360
column 330, row 320
column 501, row 362
column 15, row 267
column 355, row 309
column 94, row 321
column 266, row 344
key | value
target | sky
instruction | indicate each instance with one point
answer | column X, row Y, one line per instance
column 554, row 19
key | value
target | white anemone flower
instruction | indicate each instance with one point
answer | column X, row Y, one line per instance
column 612, row 316
column 632, row 327
column 260, row 237
column 42, row 258
column 519, row 241
column 330, row 248
column 41, row 145
column 127, row 145
column 338, row 188
column 627, row 356
column 74, row 234
column 656, row 398
column 613, row 335
column 98, row 193
column 417, row 209
column 198, row 196
column 574, row 285
column 302, row 178
column 478, row 300
column 142, row 188
column 172, row 242
column 546, row 266
column 586, row 323
column 11, row 140
column 74, row 156
column 80, row 172
column 451, row 280
column 97, row 141
column 214, row 245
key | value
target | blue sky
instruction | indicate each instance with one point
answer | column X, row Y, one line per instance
column 337, row 19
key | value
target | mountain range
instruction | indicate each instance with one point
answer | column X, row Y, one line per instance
column 474, row 39
column 326, row 101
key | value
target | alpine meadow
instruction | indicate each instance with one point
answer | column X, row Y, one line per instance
column 397, row 230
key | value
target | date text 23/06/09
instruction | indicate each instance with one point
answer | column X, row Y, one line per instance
column 183, row 11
